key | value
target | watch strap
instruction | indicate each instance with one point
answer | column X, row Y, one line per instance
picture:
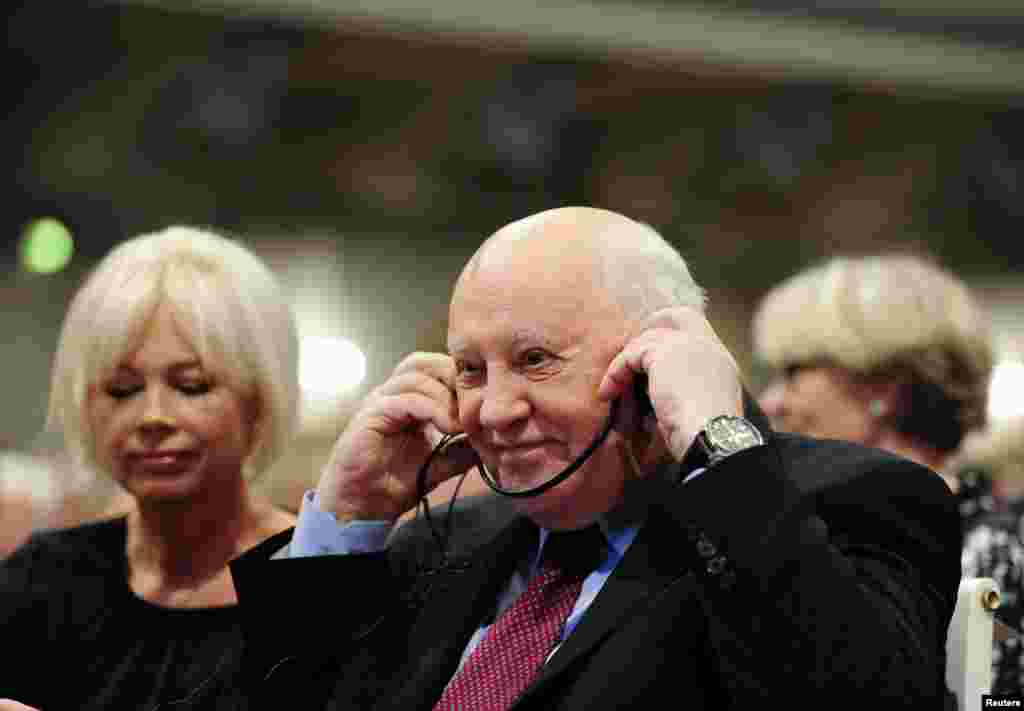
column 702, row 453
column 697, row 456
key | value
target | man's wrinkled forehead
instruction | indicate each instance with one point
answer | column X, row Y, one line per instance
column 521, row 302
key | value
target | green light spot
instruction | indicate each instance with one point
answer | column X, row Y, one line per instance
column 46, row 246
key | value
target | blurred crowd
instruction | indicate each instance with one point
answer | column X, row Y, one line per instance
column 43, row 489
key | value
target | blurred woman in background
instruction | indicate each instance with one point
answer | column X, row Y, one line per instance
column 29, row 498
column 888, row 351
column 994, row 544
column 176, row 375
column 893, row 352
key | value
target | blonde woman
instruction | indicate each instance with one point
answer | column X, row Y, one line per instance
column 887, row 351
column 176, row 376
column 892, row 352
column 994, row 543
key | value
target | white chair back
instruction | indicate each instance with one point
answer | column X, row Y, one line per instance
column 969, row 642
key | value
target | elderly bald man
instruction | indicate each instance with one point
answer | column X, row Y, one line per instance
column 716, row 564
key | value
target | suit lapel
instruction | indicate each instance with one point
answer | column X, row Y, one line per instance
column 455, row 601
column 646, row 570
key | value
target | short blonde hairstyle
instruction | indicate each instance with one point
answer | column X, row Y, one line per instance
column 885, row 318
column 999, row 449
column 228, row 305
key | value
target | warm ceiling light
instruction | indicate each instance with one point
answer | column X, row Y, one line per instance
column 1006, row 391
column 330, row 367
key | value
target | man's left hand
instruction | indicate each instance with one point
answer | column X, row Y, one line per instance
column 691, row 375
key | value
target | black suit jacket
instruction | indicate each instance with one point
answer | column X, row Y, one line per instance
column 806, row 573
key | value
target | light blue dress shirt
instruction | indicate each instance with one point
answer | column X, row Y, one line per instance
column 319, row 533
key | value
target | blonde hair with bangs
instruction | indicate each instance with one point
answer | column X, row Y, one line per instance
column 228, row 305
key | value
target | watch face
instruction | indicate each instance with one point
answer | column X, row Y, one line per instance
column 729, row 434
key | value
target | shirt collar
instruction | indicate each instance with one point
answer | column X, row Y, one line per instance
column 618, row 538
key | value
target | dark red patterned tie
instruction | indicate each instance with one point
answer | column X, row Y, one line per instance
column 513, row 650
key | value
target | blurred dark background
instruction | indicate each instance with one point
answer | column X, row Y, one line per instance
column 365, row 149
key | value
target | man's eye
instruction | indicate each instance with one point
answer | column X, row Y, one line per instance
column 467, row 372
column 535, row 357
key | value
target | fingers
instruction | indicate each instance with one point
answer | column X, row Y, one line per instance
column 420, row 390
column 634, row 358
column 398, row 413
column 692, row 322
column 438, row 366
column 415, row 381
column 455, row 458
column 372, row 470
column 638, row 353
column 679, row 318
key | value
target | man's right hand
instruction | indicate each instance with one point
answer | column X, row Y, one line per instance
column 371, row 473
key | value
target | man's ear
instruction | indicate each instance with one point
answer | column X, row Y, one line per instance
column 636, row 414
column 642, row 397
column 647, row 446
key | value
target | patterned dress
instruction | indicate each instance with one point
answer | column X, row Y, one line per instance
column 994, row 548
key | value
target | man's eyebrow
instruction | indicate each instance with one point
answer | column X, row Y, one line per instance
column 519, row 337
column 530, row 335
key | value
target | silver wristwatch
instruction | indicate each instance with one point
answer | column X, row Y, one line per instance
column 723, row 436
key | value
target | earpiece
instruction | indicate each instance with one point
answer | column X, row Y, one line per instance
column 876, row 408
column 643, row 400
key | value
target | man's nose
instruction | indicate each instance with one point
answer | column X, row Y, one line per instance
column 504, row 403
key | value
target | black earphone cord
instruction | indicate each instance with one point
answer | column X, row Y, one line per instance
column 447, row 439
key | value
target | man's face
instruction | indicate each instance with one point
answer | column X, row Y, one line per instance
column 532, row 333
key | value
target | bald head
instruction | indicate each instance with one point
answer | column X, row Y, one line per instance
column 559, row 230
column 626, row 259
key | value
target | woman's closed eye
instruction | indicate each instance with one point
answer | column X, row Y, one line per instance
column 189, row 388
column 120, row 391
column 194, row 387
